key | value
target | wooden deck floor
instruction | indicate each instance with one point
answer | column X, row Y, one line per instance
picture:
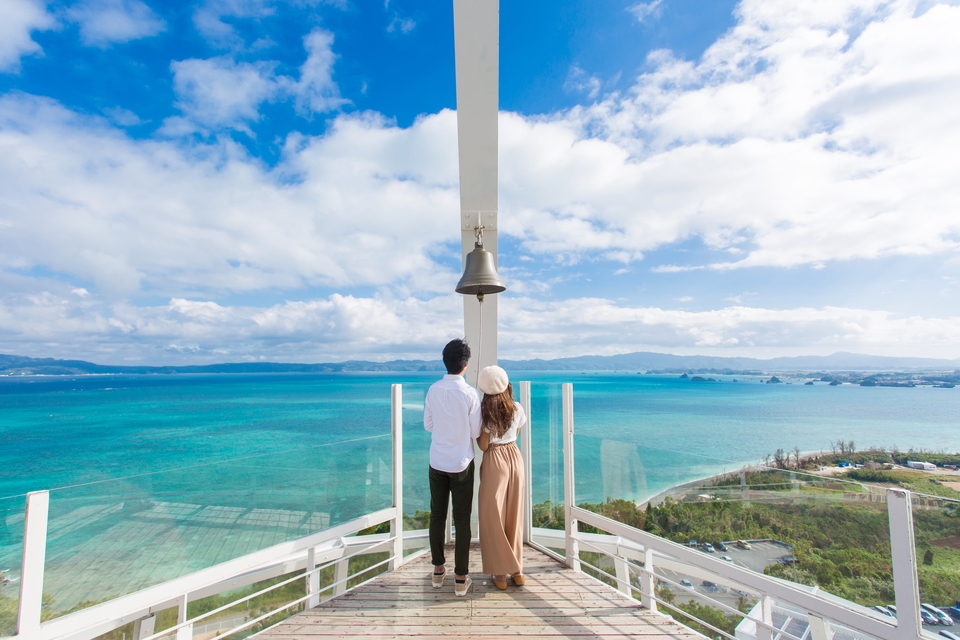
column 554, row 603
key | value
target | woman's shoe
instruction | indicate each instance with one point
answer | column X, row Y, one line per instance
column 518, row 579
column 438, row 578
column 500, row 581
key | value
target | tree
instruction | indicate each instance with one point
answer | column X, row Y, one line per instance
column 796, row 456
column 928, row 557
column 780, row 459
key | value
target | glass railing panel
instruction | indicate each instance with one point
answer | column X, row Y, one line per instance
column 816, row 530
column 110, row 538
column 416, row 464
column 546, row 472
column 12, row 510
column 936, row 530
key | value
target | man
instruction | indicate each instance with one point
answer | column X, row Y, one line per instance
column 451, row 412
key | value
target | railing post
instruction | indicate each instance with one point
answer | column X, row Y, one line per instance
column 623, row 574
column 648, row 582
column 570, row 524
column 766, row 617
column 313, row 580
column 143, row 628
column 340, row 576
column 819, row 627
column 185, row 632
column 31, row 568
column 906, row 587
column 526, row 442
column 396, row 525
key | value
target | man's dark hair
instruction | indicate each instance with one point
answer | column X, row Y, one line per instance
column 456, row 355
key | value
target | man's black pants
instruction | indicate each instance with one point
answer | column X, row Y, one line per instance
column 442, row 486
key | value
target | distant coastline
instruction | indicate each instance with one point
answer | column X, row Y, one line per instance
column 843, row 367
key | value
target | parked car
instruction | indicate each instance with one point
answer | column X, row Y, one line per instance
column 879, row 608
column 744, row 545
column 710, row 586
column 954, row 612
column 928, row 618
column 686, row 582
column 706, row 546
column 941, row 616
column 726, row 558
column 892, row 608
column 720, row 546
column 949, row 635
column 787, row 560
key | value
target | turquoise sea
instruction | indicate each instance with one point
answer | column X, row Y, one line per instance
column 157, row 476
column 57, row 432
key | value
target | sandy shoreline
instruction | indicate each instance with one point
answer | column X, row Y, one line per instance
column 658, row 498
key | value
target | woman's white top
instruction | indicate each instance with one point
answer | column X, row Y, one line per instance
column 519, row 420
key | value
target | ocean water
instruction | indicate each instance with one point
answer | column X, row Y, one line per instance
column 156, row 476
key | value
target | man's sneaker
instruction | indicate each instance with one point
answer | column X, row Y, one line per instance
column 461, row 588
column 438, row 578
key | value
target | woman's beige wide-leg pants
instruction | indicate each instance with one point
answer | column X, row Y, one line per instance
column 500, row 507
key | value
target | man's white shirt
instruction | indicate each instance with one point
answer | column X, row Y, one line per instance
column 451, row 412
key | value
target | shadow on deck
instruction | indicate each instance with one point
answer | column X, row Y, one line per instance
column 555, row 602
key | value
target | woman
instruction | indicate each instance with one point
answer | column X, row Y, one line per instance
column 500, row 502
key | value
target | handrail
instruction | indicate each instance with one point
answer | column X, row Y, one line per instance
column 846, row 613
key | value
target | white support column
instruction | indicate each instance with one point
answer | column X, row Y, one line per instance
column 186, row 632
column 31, row 568
column 144, row 627
column 526, row 443
column 819, row 627
column 648, row 583
column 569, row 497
column 476, row 25
column 396, row 524
column 906, row 587
column 313, row 580
column 766, row 616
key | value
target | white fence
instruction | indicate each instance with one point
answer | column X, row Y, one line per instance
column 634, row 554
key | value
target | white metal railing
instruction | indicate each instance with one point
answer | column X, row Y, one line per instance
column 636, row 552
column 307, row 556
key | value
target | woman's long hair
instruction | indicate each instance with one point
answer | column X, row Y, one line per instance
column 497, row 411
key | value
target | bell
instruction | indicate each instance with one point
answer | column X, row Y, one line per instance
column 480, row 274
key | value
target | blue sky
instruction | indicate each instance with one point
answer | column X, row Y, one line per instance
column 254, row 179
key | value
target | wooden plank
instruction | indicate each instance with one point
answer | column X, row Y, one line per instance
column 554, row 603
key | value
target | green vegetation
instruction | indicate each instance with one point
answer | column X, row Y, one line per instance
column 916, row 481
column 842, row 547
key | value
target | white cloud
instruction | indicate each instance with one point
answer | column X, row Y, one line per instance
column 533, row 328
column 223, row 93
column 403, row 25
column 177, row 218
column 103, row 22
column 809, row 133
column 342, row 327
column 316, row 91
column 18, row 20
column 644, row 10
column 579, row 81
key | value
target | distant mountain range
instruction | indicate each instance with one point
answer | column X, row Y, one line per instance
column 641, row 361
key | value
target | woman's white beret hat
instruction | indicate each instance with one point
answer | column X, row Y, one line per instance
column 492, row 380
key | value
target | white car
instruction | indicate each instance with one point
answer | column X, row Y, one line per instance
column 726, row 558
column 939, row 614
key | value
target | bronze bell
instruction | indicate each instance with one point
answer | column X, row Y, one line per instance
column 480, row 274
